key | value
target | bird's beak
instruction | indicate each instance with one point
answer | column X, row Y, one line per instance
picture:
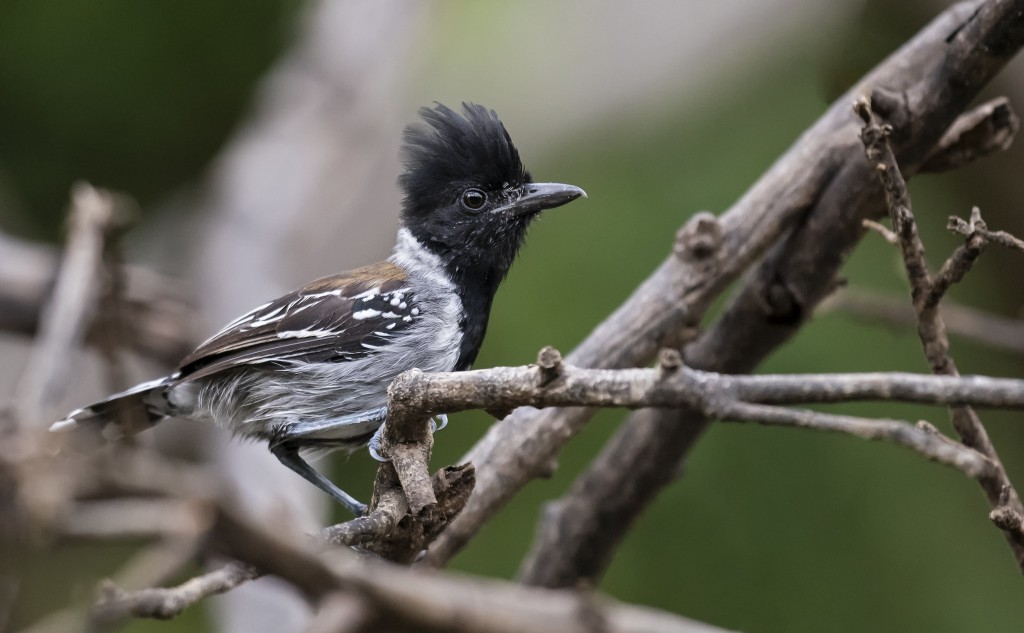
column 538, row 196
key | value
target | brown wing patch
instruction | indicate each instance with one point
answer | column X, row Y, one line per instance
column 367, row 276
column 330, row 319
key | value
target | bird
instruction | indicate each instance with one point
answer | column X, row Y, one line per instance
column 308, row 372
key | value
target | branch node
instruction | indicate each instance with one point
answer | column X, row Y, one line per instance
column 976, row 227
column 549, row 362
column 699, row 239
column 1007, row 519
column 669, row 362
column 891, row 106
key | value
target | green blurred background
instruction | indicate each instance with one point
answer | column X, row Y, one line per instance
column 767, row 529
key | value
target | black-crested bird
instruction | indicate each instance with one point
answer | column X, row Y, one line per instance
column 309, row 372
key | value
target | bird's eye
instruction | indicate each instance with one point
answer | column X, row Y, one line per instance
column 473, row 199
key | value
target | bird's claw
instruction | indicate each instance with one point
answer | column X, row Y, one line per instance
column 375, row 445
column 438, row 422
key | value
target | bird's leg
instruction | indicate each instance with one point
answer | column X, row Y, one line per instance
column 288, row 454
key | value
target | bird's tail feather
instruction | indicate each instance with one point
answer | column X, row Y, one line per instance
column 127, row 413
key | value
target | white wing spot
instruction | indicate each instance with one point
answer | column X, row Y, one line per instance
column 301, row 308
column 307, row 333
column 365, row 314
column 367, row 295
column 389, row 326
column 415, row 311
column 390, row 315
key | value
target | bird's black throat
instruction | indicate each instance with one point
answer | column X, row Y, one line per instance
column 476, row 267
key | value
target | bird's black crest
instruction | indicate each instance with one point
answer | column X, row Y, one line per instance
column 471, row 148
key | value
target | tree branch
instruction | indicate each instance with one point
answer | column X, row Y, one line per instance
column 986, row 129
column 929, row 82
column 386, row 597
column 976, row 228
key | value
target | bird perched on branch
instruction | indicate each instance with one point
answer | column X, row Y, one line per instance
column 309, row 371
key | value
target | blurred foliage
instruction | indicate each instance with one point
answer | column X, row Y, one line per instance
column 134, row 96
column 767, row 529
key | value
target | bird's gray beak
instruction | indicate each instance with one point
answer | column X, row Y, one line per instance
column 538, row 196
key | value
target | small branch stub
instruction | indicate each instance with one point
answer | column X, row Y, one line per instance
column 549, row 362
column 700, row 238
column 669, row 362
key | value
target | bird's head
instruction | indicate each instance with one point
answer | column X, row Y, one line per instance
column 468, row 197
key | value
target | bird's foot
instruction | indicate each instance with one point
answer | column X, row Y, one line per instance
column 438, row 422
column 375, row 445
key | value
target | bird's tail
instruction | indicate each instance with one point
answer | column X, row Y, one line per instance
column 125, row 413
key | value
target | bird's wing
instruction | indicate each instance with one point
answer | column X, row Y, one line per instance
column 333, row 319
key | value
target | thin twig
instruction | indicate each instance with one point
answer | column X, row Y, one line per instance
column 926, row 294
column 928, row 443
column 116, row 604
column 976, row 227
column 882, row 230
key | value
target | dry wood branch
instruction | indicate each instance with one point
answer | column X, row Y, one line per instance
column 385, row 597
column 1005, row 516
column 718, row 396
column 389, row 530
column 95, row 214
column 986, row 129
column 928, row 442
column 642, row 388
column 926, row 294
column 882, row 230
column 162, row 604
column 394, row 598
column 930, row 81
column 997, row 332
